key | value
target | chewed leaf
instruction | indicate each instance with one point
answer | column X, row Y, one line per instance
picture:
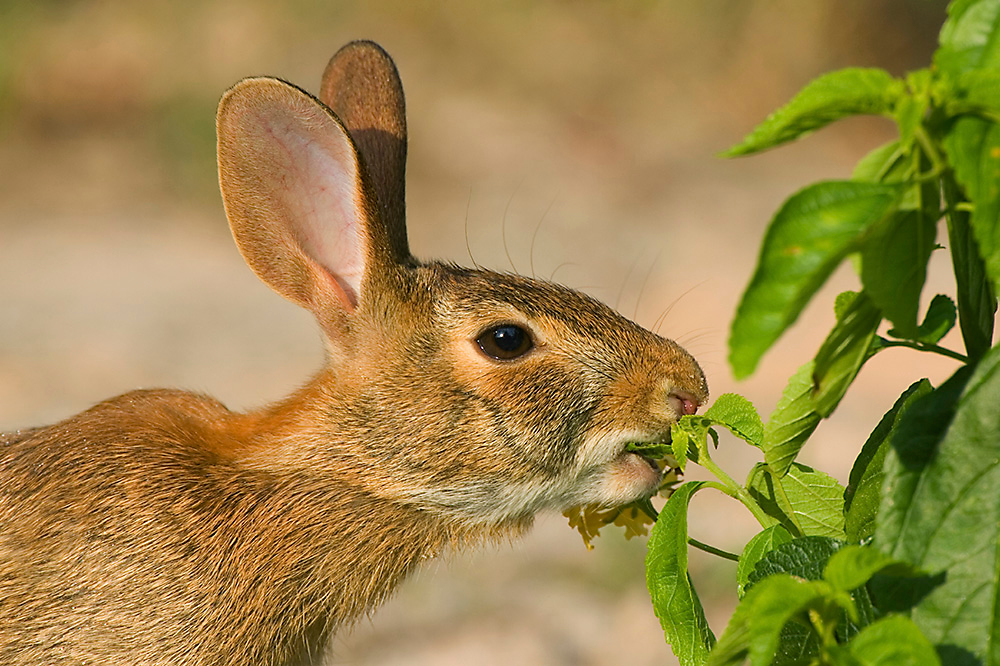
column 654, row 450
column 846, row 92
column 809, row 236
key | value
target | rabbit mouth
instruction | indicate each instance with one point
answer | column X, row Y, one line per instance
column 653, row 452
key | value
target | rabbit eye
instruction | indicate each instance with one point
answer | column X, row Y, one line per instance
column 505, row 343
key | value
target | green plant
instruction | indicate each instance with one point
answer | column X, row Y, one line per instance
column 903, row 565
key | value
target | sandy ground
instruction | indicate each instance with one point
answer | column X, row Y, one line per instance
column 111, row 278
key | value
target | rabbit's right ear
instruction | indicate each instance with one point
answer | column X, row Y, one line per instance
column 295, row 195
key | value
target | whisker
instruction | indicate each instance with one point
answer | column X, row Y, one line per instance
column 468, row 246
column 552, row 276
column 621, row 289
column 531, row 250
column 645, row 280
column 503, row 226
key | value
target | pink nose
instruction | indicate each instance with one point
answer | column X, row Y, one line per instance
column 688, row 404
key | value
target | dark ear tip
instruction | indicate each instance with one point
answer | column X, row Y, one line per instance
column 361, row 50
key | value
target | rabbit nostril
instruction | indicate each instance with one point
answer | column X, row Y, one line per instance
column 684, row 404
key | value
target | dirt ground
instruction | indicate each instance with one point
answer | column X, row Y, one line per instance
column 595, row 124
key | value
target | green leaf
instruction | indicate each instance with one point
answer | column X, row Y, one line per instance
column 977, row 304
column 894, row 265
column 738, row 414
column 973, row 148
column 794, row 419
column 846, row 92
column 817, row 387
column 970, row 37
column 873, row 167
column 843, row 352
column 942, row 507
column 808, row 237
column 754, row 631
column 805, row 501
column 680, row 442
column 853, row 566
column 863, row 493
column 675, row 601
column 809, row 558
column 805, row 557
column 893, row 641
column 977, row 92
column 762, row 543
column 940, row 318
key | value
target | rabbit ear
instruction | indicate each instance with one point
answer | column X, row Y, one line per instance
column 296, row 199
column 362, row 87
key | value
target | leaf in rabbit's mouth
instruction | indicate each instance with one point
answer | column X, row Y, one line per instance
column 650, row 450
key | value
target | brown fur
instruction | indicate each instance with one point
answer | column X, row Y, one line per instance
column 161, row 528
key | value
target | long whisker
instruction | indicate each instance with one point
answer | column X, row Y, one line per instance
column 531, row 250
column 645, row 281
column 468, row 246
column 503, row 226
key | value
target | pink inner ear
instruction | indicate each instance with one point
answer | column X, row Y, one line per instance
column 316, row 191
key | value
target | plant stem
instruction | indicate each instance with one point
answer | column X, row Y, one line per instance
column 728, row 486
column 725, row 554
column 927, row 144
column 926, row 347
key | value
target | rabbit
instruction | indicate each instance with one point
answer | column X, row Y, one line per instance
column 159, row 527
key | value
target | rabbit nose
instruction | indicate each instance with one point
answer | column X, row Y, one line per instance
column 683, row 403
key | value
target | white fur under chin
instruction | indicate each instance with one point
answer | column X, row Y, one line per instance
column 626, row 478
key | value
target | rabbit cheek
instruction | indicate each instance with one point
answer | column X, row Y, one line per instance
column 628, row 478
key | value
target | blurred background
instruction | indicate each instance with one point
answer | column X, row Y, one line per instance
column 566, row 139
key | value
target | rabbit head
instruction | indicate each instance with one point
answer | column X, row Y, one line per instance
column 478, row 395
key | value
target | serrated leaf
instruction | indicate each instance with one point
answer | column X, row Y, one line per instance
column 680, row 442
column 940, row 318
column 808, row 237
column 792, row 422
column 843, row 352
column 808, row 558
column 738, row 414
column 805, row 501
column 863, row 493
column 852, row 566
column 969, row 37
column 846, row 92
column 805, row 557
column 973, row 148
column 817, row 387
column 942, row 508
column 762, row 543
column 892, row 641
column 675, row 601
column 975, row 297
column 756, row 629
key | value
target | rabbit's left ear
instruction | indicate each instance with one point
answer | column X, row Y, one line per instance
column 297, row 200
column 362, row 87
